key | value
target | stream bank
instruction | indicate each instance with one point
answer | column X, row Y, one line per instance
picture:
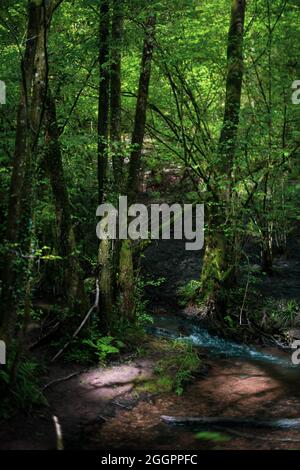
column 100, row 408
column 105, row 408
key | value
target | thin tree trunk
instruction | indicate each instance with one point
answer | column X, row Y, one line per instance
column 126, row 282
column 104, row 252
column 141, row 109
column 103, row 104
column 115, row 90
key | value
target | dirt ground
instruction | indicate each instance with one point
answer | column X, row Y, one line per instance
column 101, row 408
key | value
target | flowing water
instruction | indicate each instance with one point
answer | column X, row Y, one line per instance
column 176, row 328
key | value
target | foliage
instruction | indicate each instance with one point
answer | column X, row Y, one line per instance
column 279, row 314
column 104, row 347
column 189, row 291
column 25, row 392
column 178, row 365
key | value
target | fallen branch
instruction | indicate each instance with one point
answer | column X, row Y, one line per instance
column 287, row 423
column 94, row 307
column 62, row 379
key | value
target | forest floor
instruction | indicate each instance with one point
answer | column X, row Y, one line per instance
column 103, row 408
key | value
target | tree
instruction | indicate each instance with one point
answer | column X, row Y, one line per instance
column 30, row 112
column 219, row 265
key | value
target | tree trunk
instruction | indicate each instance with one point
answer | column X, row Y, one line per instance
column 115, row 91
column 117, row 283
column 218, row 272
column 105, row 286
column 141, row 110
column 30, row 113
column 103, row 104
column 104, row 252
column 126, row 275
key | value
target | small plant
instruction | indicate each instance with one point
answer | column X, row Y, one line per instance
column 25, row 391
column 179, row 364
column 280, row 314
column 142, row 316
column 104, row 347
column 188, row 292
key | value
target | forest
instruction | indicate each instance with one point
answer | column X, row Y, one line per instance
column 149, row 224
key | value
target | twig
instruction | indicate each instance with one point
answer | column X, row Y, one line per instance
column 246, row 291
column 121, row 405
column 62, row 379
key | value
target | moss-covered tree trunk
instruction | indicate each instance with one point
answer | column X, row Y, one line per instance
column 116, row 272
column 126, row 282
column 219, row 267
column 126, row 274
column 105, row 285
column 104, row 252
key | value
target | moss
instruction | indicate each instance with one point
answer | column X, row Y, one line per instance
column 126, row 281
column 217, row 272
column 105, row 283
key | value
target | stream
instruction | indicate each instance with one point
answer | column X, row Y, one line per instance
column 177, row 328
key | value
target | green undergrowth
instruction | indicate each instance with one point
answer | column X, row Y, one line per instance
column 250, row 315
column 20, row 390
column 188, row 292
column 177, row 363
